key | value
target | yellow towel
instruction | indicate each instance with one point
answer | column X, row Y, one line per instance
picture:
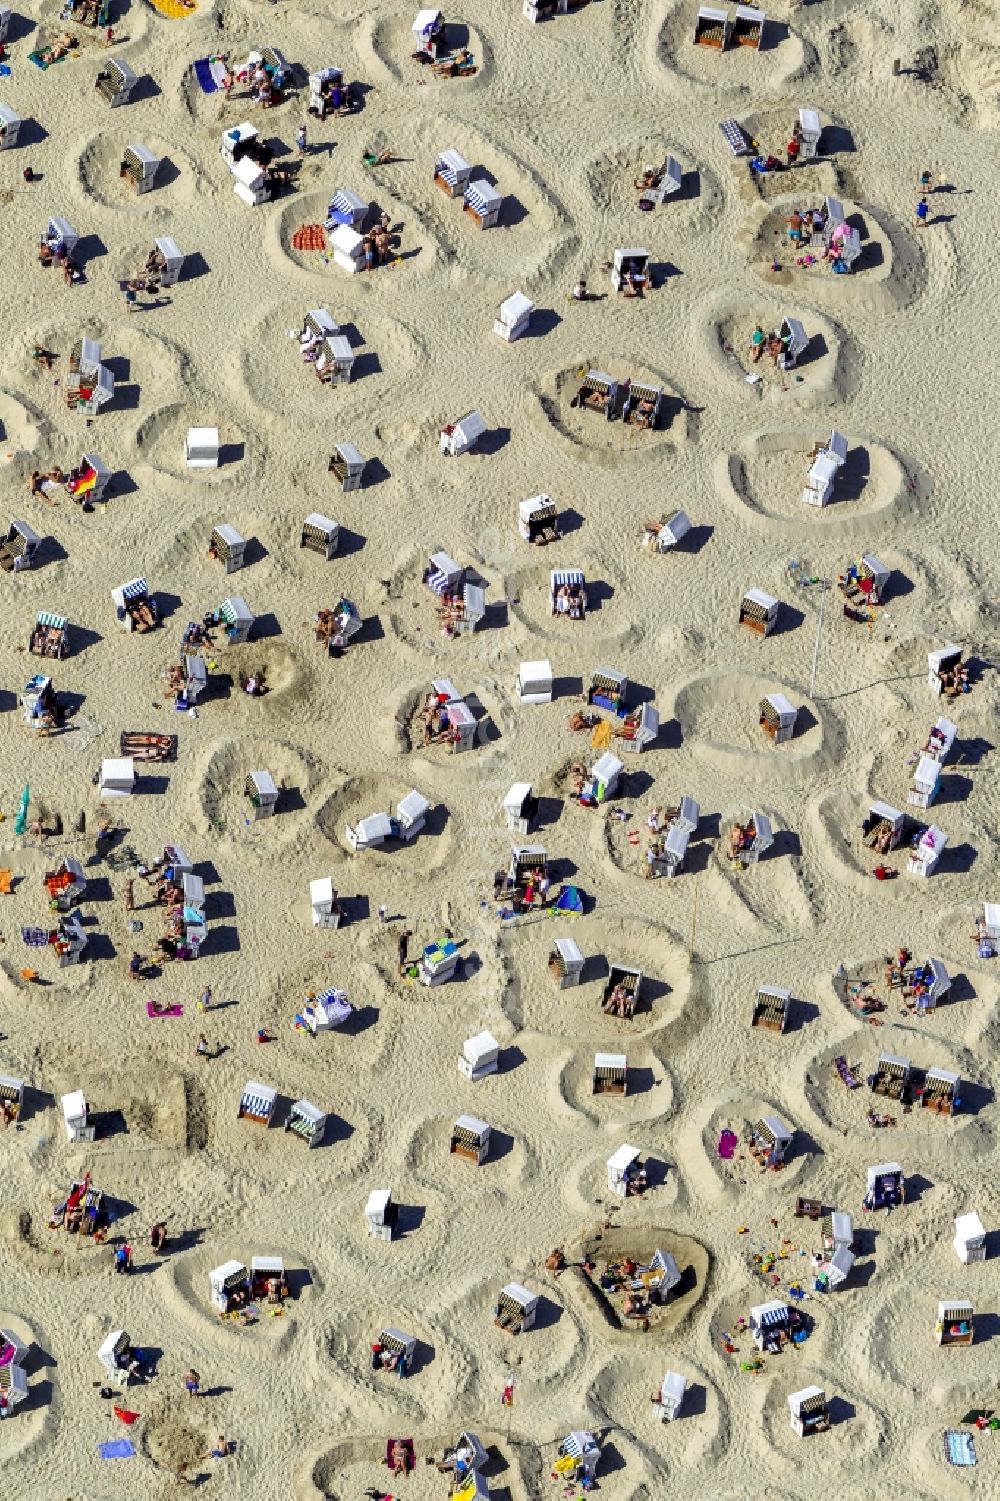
column 600, row 737
column 172, row 9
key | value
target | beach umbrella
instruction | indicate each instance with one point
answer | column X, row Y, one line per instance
column 21, row 822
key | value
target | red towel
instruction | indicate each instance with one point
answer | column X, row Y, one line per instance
column 128, row 1418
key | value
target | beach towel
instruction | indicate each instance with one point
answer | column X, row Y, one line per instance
column 959, row 1448
column 117, row 1448
column 309, row 237
column 728, row 1142
column 172, row 10
column 203, row 72
column 35, row 938
column 39, row 61
column 176, row 1010
column 128, row 1418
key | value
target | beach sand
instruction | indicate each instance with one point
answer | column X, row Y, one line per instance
column 563, row 115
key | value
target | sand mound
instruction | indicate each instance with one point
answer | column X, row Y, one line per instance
column 767, row 242
column 357, row 798
column 531, row 603
column 224, row 801
column 21, row 429
column 416, row 249
column 687, row 213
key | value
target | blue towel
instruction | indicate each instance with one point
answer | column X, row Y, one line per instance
column 203, row 73
column 117, row 1448
column 959, row 1448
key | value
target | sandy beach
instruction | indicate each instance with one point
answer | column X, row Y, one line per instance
column 562, row 117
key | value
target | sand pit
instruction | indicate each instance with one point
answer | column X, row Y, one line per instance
column 689, row 211
column 176, row 180
column 589, row 429
column 826, row 371
column 21, row 430
column 722, row 714
column 766, row 237
column 160, row 440
column 388, row 42
column 768, row 476
column 739, row 69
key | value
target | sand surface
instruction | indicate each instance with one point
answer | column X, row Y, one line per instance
column 562, row 116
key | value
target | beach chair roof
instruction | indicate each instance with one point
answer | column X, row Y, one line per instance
column 536, row 672
column 944, row 1076
column 346, row 239
column 325, row 75
column 264, row 783
column 375, row 826
column 677, row 525
column 841, row 1227
column 426, row 20
column 568, row 949
column 453, row 159
column 599, row 380
column 516, row 307
column 775, row 992
column 677, row 840
column 807, row 1400
column 607, row 767
column 482, row 194
column 144, row 155
column 528, row 508
column 781, row 705
column 969, row 1226
column 474, row 1124
column 272, row 1265
column 257, row 1091
column 613, row 1061
column 7, row 115
column 235, row 610
column 579, row 1443
column 118, row 769
column 944, row 656
column 927, row 773
column 765, row 1315
column 517, row 797
column 227, row 1273
column 885, row 810
column 619, row 1161
column 47, row 618
column 113, row 1344
column 952, row 1307
column 884, row 1170
column 248, row 172
column 321, row 523
column 471, row 426
column 558, row 577
column 630, row 253
column 933, row 839
column 779, row 1131
column 350, row 454
column 11, row 1088
column 378, row 1201
column 758, row 597
column 809, row 120
column 480, row 1047
column 673, row 1387
column 307, row 1111
column 125, row 73
column 344, row 199
column 74, row 1106
column 876, row 568
column 413, row 806
column 521, row 1295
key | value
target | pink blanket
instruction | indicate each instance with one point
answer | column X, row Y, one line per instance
column 151, row 1010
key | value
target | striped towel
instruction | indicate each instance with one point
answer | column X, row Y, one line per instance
column 35, row 938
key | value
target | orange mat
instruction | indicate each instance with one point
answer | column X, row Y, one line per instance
column 309, row 237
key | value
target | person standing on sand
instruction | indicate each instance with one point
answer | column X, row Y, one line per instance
column 300, row 140
column 923, row 209
column 201, row 1051
column 206, row 999
column 383, row 914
